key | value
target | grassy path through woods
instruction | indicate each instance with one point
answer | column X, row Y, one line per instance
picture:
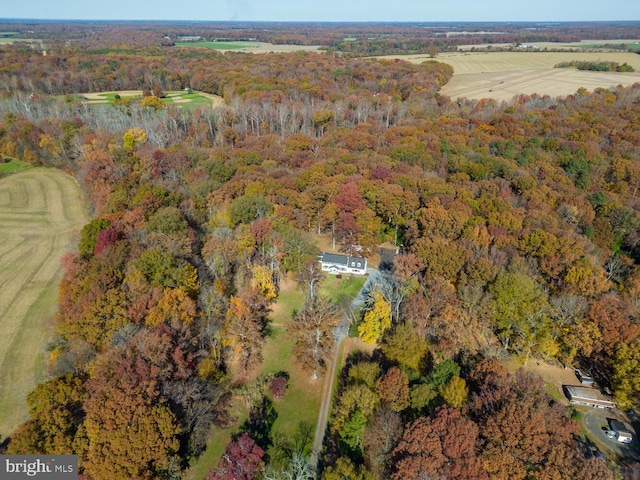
column 40, row 209
column 342, row 331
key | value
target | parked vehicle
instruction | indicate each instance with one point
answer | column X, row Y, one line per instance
column 620, row 431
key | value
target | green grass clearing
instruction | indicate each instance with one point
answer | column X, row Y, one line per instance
column 339, row 289
column 216, row 445
column 290, row 300
column 12, row 165
column 340, row 361
column 301, row 403
column 22, row 40
column 552, row 390
column 219, row 45
column 277, row 351
column 115, row 95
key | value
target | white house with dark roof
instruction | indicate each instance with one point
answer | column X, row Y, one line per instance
column 336, row 264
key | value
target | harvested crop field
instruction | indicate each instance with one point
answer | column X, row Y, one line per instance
column 484, row 62
column 501, row 75
column 40, row 209
column 554, row 82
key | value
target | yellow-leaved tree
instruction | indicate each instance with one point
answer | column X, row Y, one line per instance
column 174, row 308
column 263, row 281
column 454, row 392
column 132, row 137
column 152, row 102
column 376, row 320
column 626, row 374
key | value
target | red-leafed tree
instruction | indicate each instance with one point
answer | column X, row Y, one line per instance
column 349, row 199
column 347, row 231
column 106, row 238
column 242, row 460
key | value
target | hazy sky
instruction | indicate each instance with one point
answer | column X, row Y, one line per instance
column 325, row 10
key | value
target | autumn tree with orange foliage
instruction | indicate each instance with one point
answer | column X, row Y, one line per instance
column 444, row 444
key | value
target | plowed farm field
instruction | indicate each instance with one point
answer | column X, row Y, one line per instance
column 40, row 211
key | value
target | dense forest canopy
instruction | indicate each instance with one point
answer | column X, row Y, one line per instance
column 295, row 76
column 519, row 224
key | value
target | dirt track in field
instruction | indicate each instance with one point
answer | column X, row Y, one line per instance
column 40, row 211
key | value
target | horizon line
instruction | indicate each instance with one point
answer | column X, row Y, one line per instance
column 311, row 21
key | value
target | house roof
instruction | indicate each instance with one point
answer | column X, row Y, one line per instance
column 338, row 259
column 589, row 394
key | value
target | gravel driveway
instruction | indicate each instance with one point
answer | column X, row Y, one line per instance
column 596, row 421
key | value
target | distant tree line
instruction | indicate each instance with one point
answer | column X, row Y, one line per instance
column 600, row 66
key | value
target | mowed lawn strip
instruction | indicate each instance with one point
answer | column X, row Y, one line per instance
column 40, row 209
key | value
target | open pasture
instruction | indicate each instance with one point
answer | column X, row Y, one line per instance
column 18, row 40
column 250, row 47
column 40, row 209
